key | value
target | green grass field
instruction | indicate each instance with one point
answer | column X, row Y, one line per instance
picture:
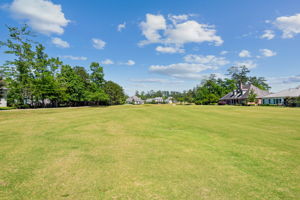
column 150, row 152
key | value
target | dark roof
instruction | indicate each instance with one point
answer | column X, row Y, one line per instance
column 244, row 95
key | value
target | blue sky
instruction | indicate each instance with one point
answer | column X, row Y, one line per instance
column 166, row 45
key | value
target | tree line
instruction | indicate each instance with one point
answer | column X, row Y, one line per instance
column 34, row 79
column 210, row 90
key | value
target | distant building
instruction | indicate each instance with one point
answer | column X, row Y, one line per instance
column 155, row 100
column 150, row 100
column 169, row 100
column 134, row 100
column 241, row 95
column 158, row 100
column 3, row 101
column 280, row 97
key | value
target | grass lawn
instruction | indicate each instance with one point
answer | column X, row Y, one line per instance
column 150, row 152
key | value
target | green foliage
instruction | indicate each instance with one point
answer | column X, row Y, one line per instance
column 2, row 84
column 292, row 101
column 211, row 90
column 251, row 97
column 97, row 75
column 240, row 77
column 36, row 80
column 115, row 93
column 259, row 82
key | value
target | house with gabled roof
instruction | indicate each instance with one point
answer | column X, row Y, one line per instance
column 279, row 98
column 134, row 100
column 240, row 96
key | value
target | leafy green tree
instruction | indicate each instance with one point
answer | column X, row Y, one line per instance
column 97, row 75
column 239, row 75
column 2, row 84
column 72, row 85
column 259, row 82
column 19, row 71
column 115, row 93
column 209, row 92
column 45, row 84
column 251, row 96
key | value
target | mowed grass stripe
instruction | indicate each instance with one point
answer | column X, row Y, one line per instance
column 150, row 152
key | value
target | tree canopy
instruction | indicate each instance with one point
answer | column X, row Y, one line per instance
column 36, row 80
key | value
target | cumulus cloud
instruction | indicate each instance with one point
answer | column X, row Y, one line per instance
column 169, row 49
column 211, row 60
column 41, row 15
column 250, row 64
column 74, row 57
column 180, row 70
column 180, row 31
column 121, row 27
column 244, row 54
column 130, row 62
column 268, row 34
column 98, row 43
column 60, row 43
column 223, row 52
column 289, row 25
column 192, row 31
column 178, row 18
column 107, row 62
column 150, row 28
column 267, row 52
column 191, row 68
column 285, row 79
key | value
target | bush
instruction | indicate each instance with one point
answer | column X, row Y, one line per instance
column 7, row 108
column 222, row 103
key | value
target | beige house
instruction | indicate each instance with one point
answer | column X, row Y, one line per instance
column 241, row 95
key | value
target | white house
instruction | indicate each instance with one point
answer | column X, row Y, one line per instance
column 169, row 100
column 3, row 102
column 279, row 97
column 150, row 100
column 158, row 100
column 134, row 100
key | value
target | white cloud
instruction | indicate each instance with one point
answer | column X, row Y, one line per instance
column 181, row 70
column 121, row 27
column 42, row 15
column 74, row 57
column 191, row 68
column 130, row 62
column 223, row 52
column 267, row 52
column 178, row 18
column 268, row 34
column 178, row 33
column 60, row 43
column 169, row 49
column 210, row 60
column 98, row 43
column 250, row 64
column 107, row 62
column 192, row 31
column 284, row 82
column 150, row 28
column 244, row 54
column 289, row 25
column 285, row 79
